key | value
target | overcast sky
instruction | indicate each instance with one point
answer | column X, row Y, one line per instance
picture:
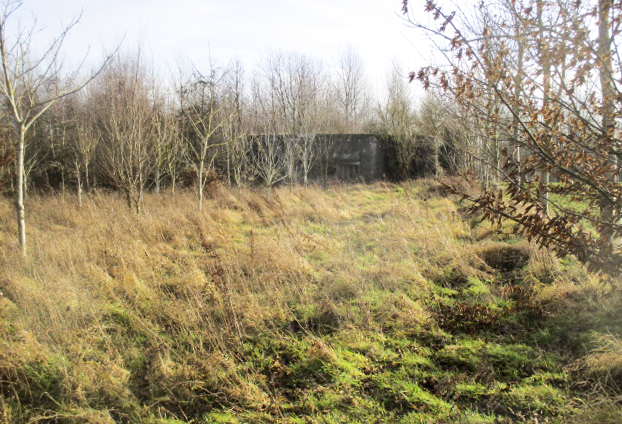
column 191, row 30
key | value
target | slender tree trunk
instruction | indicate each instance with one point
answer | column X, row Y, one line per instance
column 139, row 202
column 517, row 93
column 19, row 193
column 496, row 152
column 157, row 180
column 305, row 177
column 608, row 110
column 605, row 70
column 437, row 162
column 228, row 165
column 87, row 185
column 201, row 185
column 546, row 181
column 140, row 191
column 25, row 183
column 79, row 184
column 546, row 88
column 519, row 165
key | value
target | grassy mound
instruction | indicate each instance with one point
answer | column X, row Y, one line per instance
column 347, row 304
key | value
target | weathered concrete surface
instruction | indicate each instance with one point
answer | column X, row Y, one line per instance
column 347, row 157
column 355, row 157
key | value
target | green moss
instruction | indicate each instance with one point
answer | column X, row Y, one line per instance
column 220, row 418
column 463, row 356
column 45, row 378
column 535, row 399
column 511, row 362
column 473, row 417
column 476, row 288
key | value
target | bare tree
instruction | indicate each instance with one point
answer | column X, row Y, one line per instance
column 84, row 146
column 432, row 123
column 168, row 148
column 294, row 104
column 78, row 140
column 126, row 126
column 397, row 122
column 176, row 151
column 205, row 115
column 31, row 85
column 352, row 95
column 324, row 148
column 268, row 158
column 309, row 141
column 269, row 125
column 235, row 129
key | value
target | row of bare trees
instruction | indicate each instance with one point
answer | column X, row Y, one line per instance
column 132, row 131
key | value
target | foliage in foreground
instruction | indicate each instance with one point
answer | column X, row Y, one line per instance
column 351, row 304
column 547, row 107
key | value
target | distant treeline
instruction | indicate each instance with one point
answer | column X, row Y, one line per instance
column 130, row 132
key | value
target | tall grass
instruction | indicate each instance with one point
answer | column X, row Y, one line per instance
column 177, row 314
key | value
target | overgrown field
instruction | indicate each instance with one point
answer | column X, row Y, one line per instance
column 351, row 304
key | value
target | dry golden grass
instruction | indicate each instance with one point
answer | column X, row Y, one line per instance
column 606, row 358
column 248, row 254
column 111, row 308
column 239, row 264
